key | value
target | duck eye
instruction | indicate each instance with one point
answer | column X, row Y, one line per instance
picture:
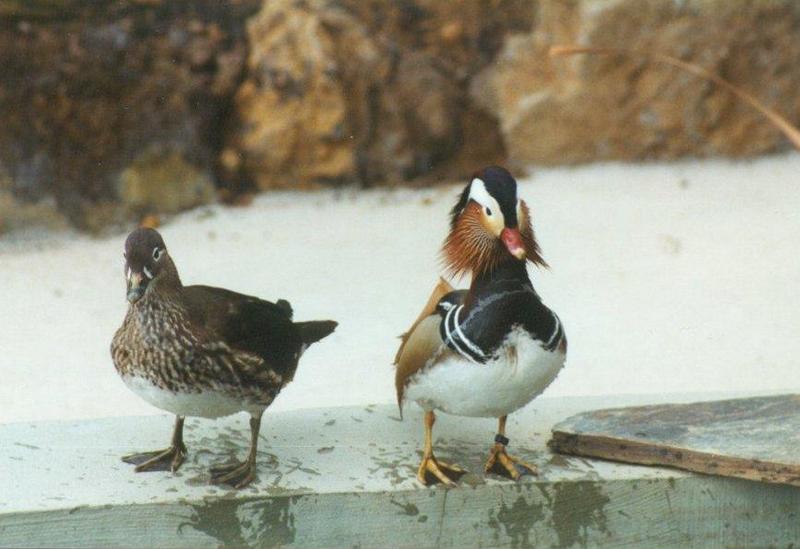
column 157, row 253
column 488, row 211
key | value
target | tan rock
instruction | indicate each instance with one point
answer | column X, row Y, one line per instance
column 292, row 106
column 163, row 182
column 368, row 91
column 595, row 107
column 17, row 213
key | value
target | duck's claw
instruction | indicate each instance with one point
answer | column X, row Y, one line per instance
column 508, row 465
column 160, row 460
column 238, row 475
column 431, row 470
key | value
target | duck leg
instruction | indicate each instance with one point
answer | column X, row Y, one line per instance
column 431, row 468
column 500, row 460
column 162, row 460
column 240, row 474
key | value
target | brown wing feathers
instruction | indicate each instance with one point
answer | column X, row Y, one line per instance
column 416, row 345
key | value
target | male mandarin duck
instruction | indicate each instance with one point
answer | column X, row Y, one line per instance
column 202, row 351
column 489, row 350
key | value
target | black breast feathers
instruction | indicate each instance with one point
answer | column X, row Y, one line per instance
column 477, row 329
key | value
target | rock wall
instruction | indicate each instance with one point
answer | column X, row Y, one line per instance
column 116, row 109
column 112, row 108
column 369, row 91
column 596, row 107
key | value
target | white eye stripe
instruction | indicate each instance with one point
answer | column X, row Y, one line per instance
column 478, row 193
column 147, row 272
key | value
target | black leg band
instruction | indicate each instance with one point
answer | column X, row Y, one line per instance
column 501, row 439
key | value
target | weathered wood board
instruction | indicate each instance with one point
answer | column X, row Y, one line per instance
column 750, row 438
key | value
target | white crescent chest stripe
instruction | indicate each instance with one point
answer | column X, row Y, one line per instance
column 556, row 330
column 457, row 339
column 449, row 340
column 472, row 347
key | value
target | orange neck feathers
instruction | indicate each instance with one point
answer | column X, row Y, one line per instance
column 471, row 247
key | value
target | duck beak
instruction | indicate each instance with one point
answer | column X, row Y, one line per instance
column 135, row 287
column 513, row 242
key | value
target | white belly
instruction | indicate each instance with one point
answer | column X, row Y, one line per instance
column 521, row 371
column 209, row 404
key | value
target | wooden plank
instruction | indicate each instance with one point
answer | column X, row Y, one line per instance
column 344, row 477
column 749, row 438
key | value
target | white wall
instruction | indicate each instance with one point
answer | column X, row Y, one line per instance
column 669, row 278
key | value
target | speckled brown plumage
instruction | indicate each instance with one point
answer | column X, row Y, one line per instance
column 159, row 343
column 202, row 351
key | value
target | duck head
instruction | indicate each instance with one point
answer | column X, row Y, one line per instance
column 490, row 225
column 147, row 263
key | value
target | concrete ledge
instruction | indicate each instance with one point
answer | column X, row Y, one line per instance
column 345, row 477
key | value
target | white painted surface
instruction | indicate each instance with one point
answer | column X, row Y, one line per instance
column 668, row 278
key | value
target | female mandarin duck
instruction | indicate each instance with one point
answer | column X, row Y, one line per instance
column 489, row 350
column 203, row 351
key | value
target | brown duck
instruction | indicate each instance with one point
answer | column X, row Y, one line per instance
column 489, row 350
column 202, row 351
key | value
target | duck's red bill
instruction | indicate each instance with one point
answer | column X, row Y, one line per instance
column 513, row 242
